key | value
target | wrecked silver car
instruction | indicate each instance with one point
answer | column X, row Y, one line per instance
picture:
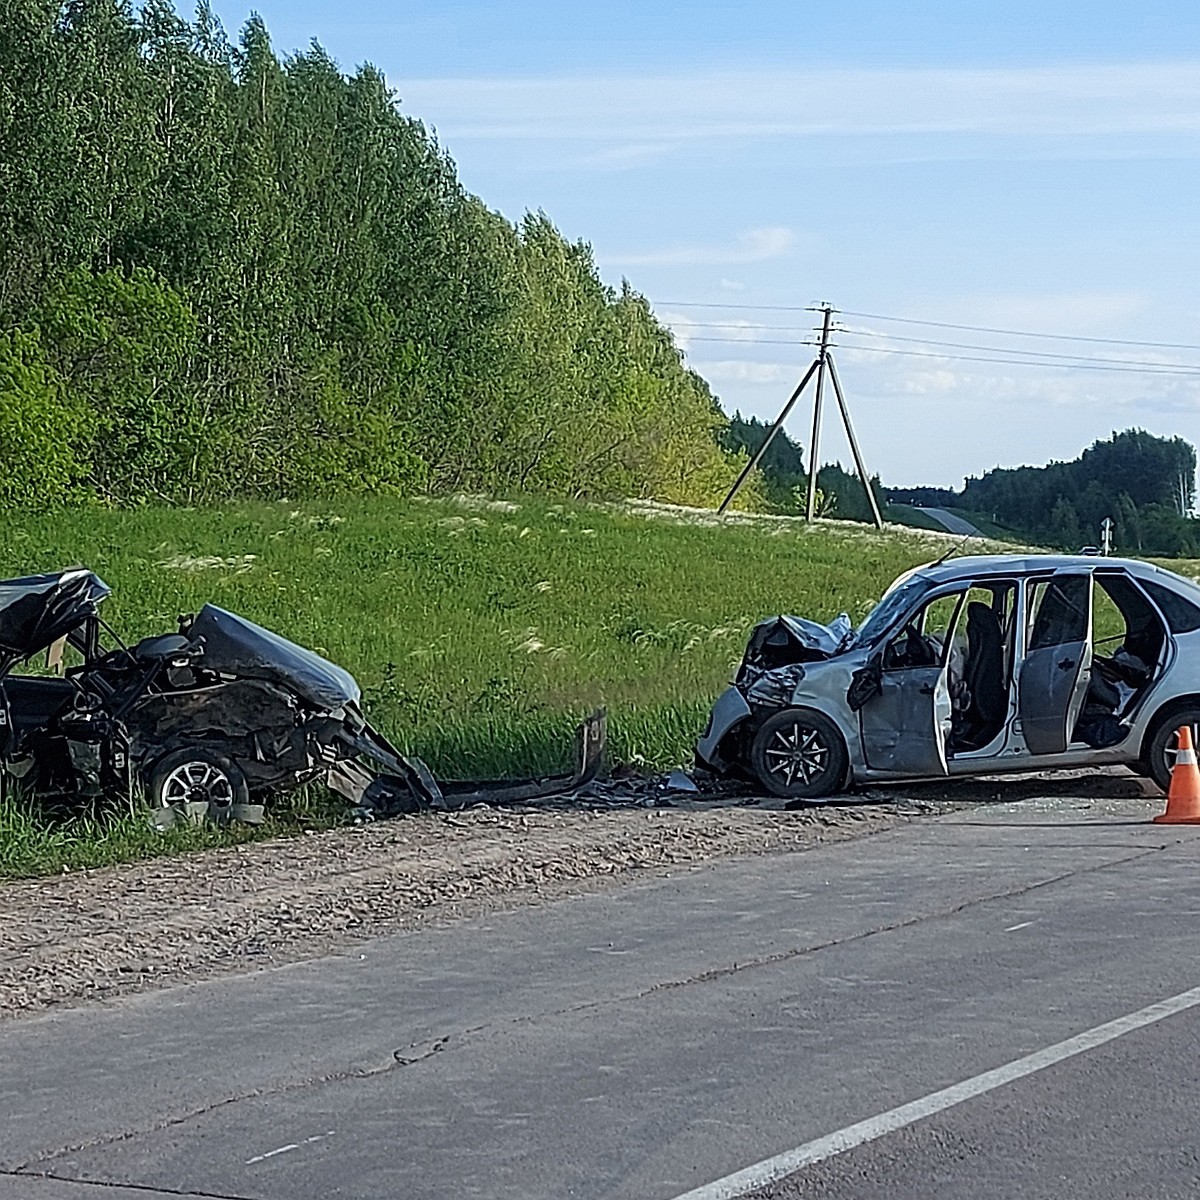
column 974, row 666
column 207, row 721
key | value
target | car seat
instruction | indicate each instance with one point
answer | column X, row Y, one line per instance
column 985, row 674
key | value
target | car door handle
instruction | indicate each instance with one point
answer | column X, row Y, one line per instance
column 1066, row 664
column 927, row 690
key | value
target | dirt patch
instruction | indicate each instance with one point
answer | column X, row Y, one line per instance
column 99, row 933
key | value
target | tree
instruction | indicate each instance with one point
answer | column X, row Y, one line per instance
column 1127, row 534
column 41, row 427
column 263, row 277
column 1064, row 525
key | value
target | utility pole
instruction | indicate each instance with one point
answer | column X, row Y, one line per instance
column 814, row 459
column 758, row 454
column 821, row 364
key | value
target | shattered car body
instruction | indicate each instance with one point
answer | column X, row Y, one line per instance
column 206, row 721
column 976, row 665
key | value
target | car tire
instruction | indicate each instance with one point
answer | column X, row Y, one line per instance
column 799, row 754
column 197, row 776
column 1158, row 756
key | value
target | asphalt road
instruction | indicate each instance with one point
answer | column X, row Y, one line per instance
column 953, row 522
column 651, row 1040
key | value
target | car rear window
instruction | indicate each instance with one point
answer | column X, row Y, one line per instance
column 1183, row 616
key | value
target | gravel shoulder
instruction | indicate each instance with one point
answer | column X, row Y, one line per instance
column 90, row 935
column 93, row 934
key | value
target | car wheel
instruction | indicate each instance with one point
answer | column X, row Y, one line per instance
column 1158, row 758
column 199, row 782
column 799, row 754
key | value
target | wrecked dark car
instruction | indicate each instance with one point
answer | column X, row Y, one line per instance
column 974, row 666
column 207, row 721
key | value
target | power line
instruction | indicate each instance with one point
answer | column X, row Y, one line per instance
column 1057, row 337
column 1182, row 370
column 920, row 341
column 1083, row 358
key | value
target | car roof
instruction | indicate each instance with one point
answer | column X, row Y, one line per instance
column 981, row 565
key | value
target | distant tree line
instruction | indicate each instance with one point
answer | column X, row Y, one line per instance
column 223, row 274
column 1145, row 484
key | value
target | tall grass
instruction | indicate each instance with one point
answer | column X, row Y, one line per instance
column 480, row 630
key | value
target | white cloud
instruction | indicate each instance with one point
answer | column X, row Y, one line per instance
column 752, row 246
column 687, row 328
column 732, row 285
column 736, row 370
column 924, row 383
column 1054, row 102
column 1034, row 388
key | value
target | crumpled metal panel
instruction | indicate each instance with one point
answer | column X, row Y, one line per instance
column 783, row 641
column 774, row 689
column 234, row 646
column 38, row 609
column 729, row 710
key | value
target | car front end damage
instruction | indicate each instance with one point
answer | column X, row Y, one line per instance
column 207, row 722
column 785, row 661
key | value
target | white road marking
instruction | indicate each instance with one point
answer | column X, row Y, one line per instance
column 272, row 1153
column 1014, row 928
column 316, row 1137
column 770, row 1169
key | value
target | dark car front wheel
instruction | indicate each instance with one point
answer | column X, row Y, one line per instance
column 799, row 754
column 197, row 777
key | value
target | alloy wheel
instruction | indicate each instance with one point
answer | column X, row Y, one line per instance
column 198, row 782
column 797, row 751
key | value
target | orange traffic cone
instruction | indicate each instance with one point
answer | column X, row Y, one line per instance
column 1183, row 796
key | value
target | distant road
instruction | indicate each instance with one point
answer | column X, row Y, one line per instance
column 952, row 521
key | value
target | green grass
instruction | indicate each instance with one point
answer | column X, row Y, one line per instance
column 36, row 842
column 480, row 631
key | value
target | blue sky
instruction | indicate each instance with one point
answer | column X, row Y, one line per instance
column 1010, row 165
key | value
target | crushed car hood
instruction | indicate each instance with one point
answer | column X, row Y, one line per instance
column 39, row 609
column 782, row 641
column 234, row 646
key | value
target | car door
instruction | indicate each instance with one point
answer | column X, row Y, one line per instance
column 905, row 727
column 1057, row 665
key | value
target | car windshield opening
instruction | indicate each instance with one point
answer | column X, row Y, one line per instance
column 885, row 614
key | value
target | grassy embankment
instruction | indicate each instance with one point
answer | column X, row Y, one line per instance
column 479, row 630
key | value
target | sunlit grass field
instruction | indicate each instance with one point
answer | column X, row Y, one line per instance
column 480, row 630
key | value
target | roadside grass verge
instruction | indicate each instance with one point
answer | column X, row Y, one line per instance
column 36, row 841
column 481, row 630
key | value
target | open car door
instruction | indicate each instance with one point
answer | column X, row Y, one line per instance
column 1058, row 659
column 906, row 725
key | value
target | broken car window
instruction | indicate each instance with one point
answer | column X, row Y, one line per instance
column 1060, row 611
column 890, row 609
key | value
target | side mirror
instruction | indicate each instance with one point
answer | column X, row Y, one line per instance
column 866, row 683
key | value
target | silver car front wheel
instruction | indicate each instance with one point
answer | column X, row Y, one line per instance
column 799, row 754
